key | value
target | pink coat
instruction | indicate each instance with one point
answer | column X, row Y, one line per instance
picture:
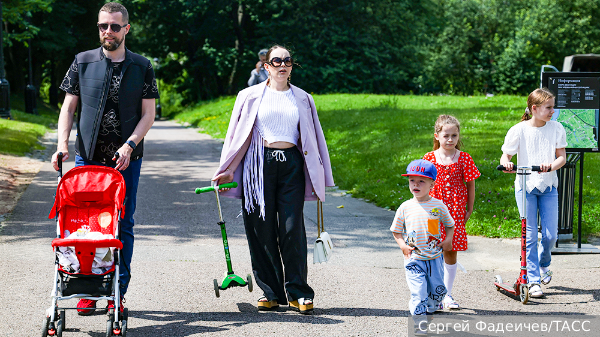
column 317, row 167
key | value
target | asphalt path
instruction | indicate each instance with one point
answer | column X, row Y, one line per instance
column 178, row 252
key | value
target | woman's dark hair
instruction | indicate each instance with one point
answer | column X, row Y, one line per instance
column 275, row 46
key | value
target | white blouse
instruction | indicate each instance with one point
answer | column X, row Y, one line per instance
column 278, row 117
column 535, row 146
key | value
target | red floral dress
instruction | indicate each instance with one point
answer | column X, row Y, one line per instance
column 450, row 187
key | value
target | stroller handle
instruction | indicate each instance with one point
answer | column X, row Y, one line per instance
column 533, row 168
column 216, row 187
column 60, row 162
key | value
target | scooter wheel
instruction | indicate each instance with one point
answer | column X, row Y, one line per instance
column 524, row 293
column 216, row 284
column 498, row 279
column 249, row 281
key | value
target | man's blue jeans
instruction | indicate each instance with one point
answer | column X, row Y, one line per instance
column 131, row 175
column 546, row 203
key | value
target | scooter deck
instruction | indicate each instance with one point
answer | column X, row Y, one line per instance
column 506, row 287
column 232, row 281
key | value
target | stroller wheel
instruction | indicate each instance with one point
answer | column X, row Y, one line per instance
column 63, row 319
column 45, row 326
column 124, row 322
column 59, row 328
column 216, row 284
column 524, row 293
column 109, row 326
column 249, row 281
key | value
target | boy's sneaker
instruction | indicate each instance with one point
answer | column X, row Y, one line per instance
column 450, row 303
column 111, row 305
column 86, row 307
column 535, row 291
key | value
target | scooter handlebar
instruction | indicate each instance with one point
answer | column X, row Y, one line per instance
column 533, row 168
column 216, row 187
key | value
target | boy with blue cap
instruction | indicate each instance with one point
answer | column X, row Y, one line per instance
column 416, row 228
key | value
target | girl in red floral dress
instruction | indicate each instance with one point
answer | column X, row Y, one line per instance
column 455, row 186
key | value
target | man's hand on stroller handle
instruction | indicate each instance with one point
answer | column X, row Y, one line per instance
column 123, row 157
column 65, row 156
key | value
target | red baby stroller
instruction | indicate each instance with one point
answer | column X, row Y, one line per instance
column 87, row 208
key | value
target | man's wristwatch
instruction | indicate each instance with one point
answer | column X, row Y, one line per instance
column 131, row 143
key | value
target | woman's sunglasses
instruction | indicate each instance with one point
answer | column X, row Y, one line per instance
column 115, row 27
column 277, row 62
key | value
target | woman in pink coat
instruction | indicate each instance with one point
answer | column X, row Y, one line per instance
column 276, row 151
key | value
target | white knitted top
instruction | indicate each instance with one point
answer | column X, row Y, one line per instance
column 278, row 117
column 535, row 146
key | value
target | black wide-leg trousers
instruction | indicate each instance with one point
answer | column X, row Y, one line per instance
column 278, row 247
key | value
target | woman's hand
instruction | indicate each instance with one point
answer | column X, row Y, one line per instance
column 224, row 178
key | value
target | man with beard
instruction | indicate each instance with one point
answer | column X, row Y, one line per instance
column 116, row 91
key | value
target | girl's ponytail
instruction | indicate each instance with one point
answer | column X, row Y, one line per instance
column 527, row 115
column 537, row 98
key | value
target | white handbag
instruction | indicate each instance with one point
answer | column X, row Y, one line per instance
column 323, row 245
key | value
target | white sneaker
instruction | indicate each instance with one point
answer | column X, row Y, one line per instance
column 450, row 303
column 535, row 291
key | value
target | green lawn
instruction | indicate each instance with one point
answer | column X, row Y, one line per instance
column 20, row 134
column 372, row 138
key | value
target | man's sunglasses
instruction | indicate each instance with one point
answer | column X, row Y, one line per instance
column 277, row 62
column 115, row 27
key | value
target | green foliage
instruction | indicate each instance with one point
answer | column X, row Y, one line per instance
column 20, row 134
column 17, row 15
column 210, row 117
column 207, row 48
column 372, row 138
column 499, row 46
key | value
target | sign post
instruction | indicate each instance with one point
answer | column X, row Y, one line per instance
column 577, row 108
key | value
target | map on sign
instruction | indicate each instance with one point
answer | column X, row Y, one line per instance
column 581, row 126
column 576, row 107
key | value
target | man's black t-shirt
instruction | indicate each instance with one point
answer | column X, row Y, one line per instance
column 109, row 137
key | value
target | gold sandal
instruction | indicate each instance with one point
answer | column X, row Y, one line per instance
column 265, row 305
column 302, row 306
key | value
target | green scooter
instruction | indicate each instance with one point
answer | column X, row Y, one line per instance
column 231, row 279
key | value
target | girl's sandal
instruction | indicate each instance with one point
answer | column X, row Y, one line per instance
column 265, row 305
column 546, row 277
column 302, row 305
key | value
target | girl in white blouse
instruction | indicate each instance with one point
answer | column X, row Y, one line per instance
column 538, row 141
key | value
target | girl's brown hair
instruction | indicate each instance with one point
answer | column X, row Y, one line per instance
column 537, row 98
column 442, row 121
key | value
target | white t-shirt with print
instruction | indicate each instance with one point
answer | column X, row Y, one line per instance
column 419, row 223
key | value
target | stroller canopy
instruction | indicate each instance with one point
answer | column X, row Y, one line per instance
column 85, row 186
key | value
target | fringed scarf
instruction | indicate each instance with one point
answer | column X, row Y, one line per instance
column 253, row 174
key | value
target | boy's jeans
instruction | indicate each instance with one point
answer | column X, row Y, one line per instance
column 426, row 283
column 131, row 175
column 547, row 204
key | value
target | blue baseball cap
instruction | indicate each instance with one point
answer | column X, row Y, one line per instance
column 421, row 168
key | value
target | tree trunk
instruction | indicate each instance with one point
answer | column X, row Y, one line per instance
column 238, row 20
